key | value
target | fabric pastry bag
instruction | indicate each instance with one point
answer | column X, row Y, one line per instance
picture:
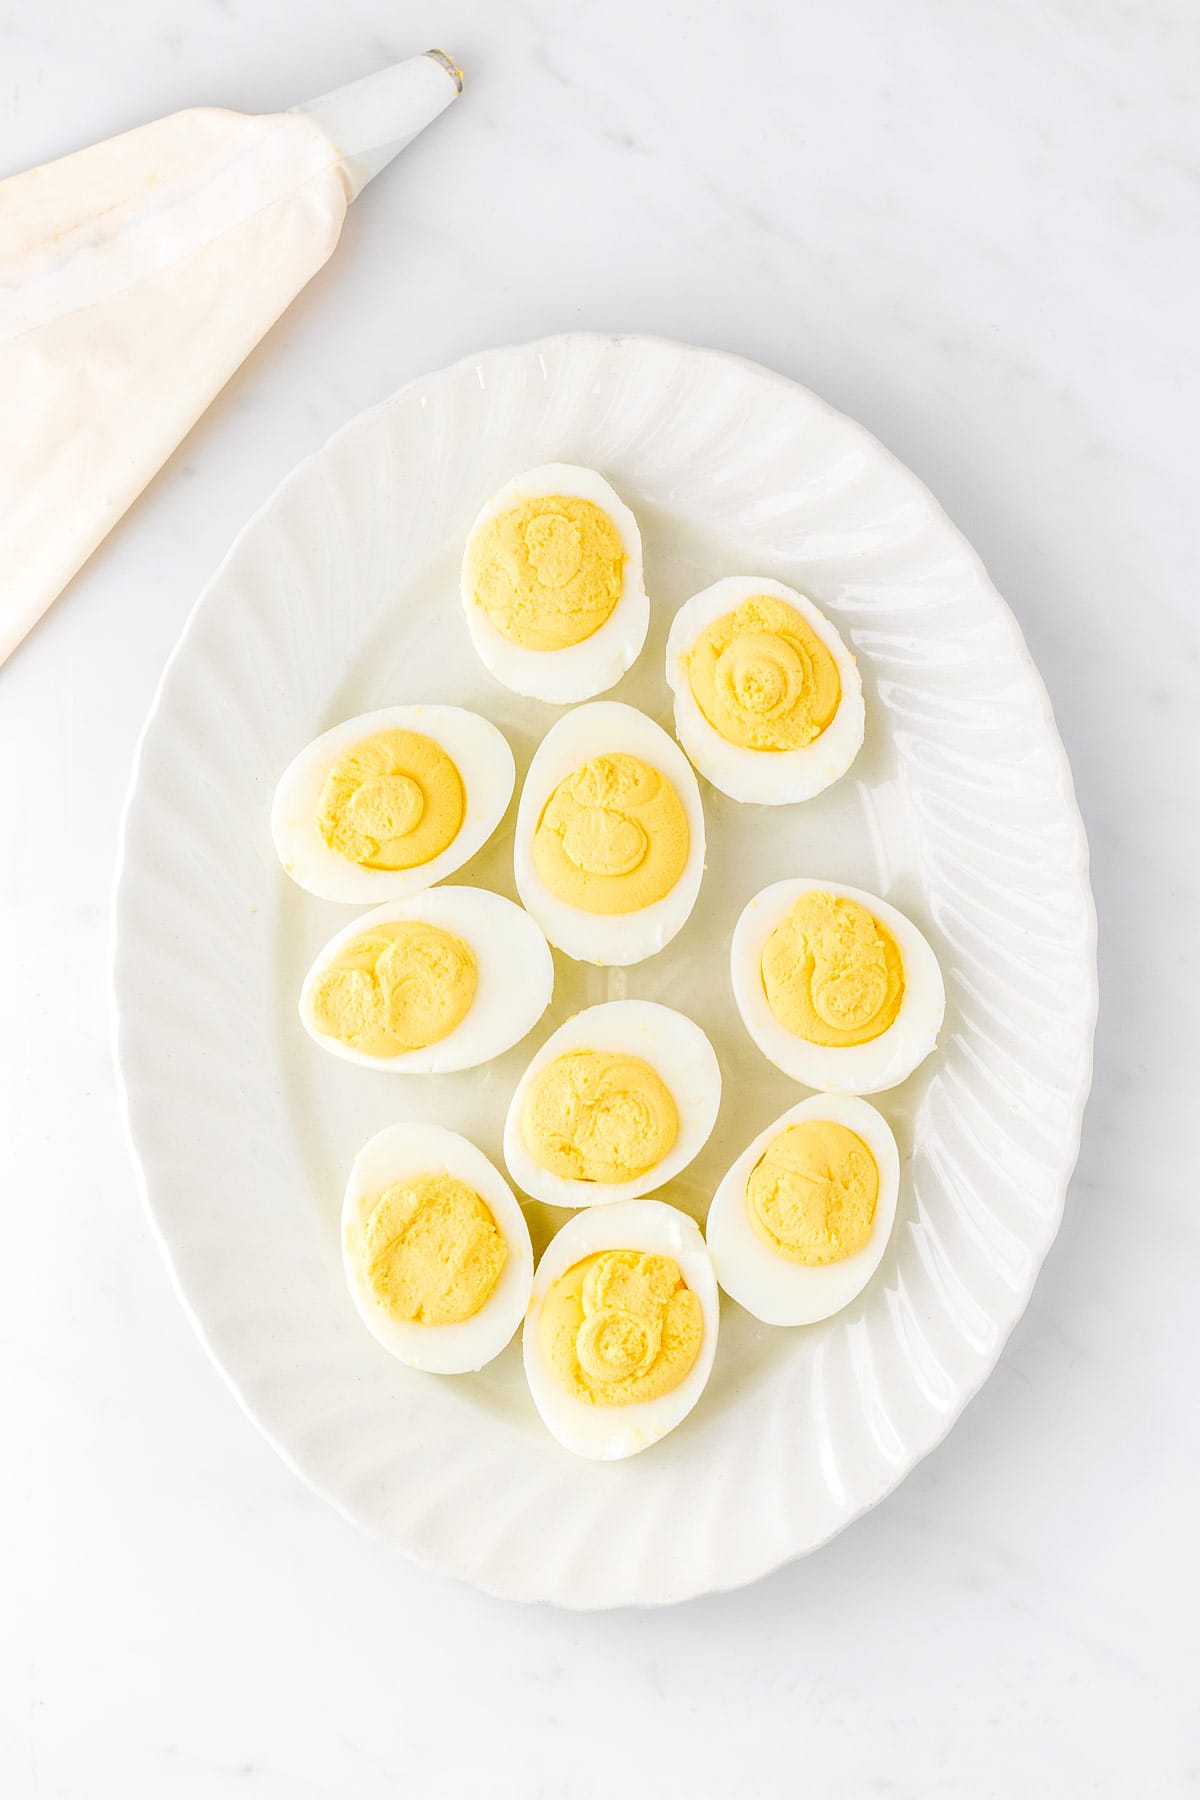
column 136, row 275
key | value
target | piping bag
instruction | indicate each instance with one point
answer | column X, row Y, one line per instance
column 135, row 276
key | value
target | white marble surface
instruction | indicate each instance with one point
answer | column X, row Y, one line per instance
column 974, row 228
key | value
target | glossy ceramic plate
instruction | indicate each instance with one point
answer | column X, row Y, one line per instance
column 342, row 596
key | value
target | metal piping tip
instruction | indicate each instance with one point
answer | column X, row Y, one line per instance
column 451, row 67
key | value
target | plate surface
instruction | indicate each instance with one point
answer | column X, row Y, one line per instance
column 341, row 596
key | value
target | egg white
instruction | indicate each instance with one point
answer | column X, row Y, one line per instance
column 515, row 979
column 775, row 1290
column 675, row 1048
column 580, row 670
column 403, row 1151
column 768, row 777
column 607, row 1433
column 479, row 752
column 856, row 1068
column 604, row 728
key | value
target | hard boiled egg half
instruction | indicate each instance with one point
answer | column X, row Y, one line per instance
column 798, row 1226
column 768, row 700
column 446, row 980
column 609, row 849
column 436, row 1250
column 388, row 803
column 552, row 584
column 621, row 1329
column 837, row 988
column 616, row 1102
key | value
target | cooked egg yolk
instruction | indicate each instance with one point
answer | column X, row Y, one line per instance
column 832, row 972
column 620, row 1327
column 811, row 1195
column 613, row 837
column 763, row 678
column 398, row 987
column 431, row 1252
column 598, row 1115
column 547, row 573
column 394, row 801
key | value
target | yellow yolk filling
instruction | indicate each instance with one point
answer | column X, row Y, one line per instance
column 394, row 801
column 620, row 1327
column 832, row 973
column 598, row 1115
column 431, row 1251
column 613, row 836
column 549, row 572
column 763, row 678
column 400, row 986
column 811, row 1195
